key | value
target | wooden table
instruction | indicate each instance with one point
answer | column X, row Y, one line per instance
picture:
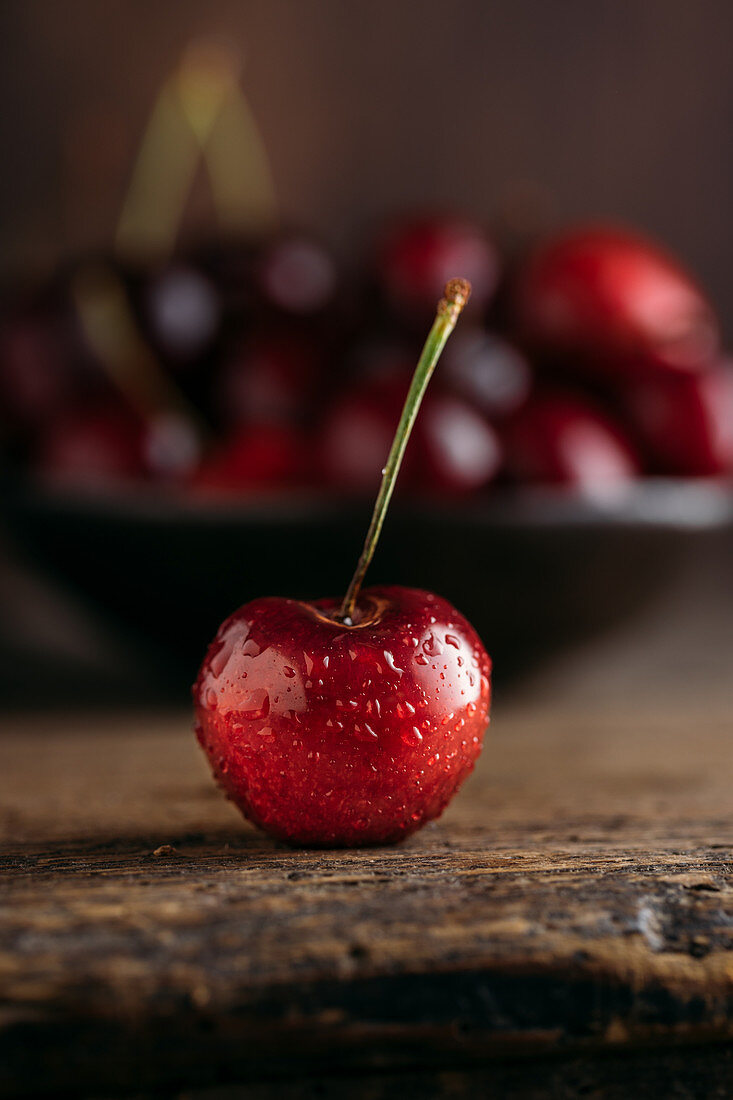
column 565, row 930
column 568, row 921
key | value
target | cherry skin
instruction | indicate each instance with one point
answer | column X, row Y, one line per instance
column 614, row 305
column 416, row 257
column 558, row 439
column 334, row 735
column 684, row 423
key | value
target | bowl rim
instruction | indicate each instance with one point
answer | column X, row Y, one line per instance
column 676, row 504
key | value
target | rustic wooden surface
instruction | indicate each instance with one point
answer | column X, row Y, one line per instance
column 575, row 903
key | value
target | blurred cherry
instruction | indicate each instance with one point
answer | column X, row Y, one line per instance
column 460, row 451
column 560, row 439
column 268, row 376
column 453, row 449
column 296, row 275
column 92, row 447
column 172, row 446
column 181, row 312
column 489, row 373
column 684, row 423
column 38, row 373
column 416, row 257
column 613, row 304
column 260, row 457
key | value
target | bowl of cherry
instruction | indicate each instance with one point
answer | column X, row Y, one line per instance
column 184, row 434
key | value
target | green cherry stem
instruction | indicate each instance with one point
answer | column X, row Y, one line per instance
column 456, row 295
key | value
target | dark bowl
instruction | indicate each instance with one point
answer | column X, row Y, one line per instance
column 534, row 571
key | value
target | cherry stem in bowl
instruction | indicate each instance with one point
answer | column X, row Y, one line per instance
column 456, row 295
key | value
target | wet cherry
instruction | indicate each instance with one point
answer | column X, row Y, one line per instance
column 324, row 733
column 354, row 721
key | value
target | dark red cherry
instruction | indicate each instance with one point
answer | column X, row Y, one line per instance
column 560, row 439
column 327, row 734
column 612, row 304
column 415, row 258
column 38, row 375
column 684, row 424
column 268, row 376
column 92, row 447
column 296, row 275
column 258, row 457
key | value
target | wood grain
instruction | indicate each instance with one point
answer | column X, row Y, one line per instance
column 576, row 901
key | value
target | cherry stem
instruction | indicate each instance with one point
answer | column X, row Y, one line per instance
column 456, row 295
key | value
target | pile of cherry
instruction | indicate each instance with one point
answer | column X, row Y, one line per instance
column 247, row 368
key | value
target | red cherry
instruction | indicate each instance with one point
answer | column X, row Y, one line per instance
column 171, row 446
column 92, row 447
column 415, row 258
column 37, row 375
column 297, row 276
column 559, row 439
column 453, row 448
column 684, row 423
column 491, row 374
column 268, row 376
column 327, row 734
column 355, row 438
column 264, row 456
column 354, row 721
column 460, row 451
column 182, row 312
column 613, row 304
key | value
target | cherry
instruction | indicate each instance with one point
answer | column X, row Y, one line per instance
column 263, row 456
column 414, row 259
column 182, row 312
column 92, row 447
column 612, row 304
column 268, row 376
column 560, row 439
column 453, row 448
column 38, row 367
column 491, row 374
column 106, row 443
column 684, row 423
column 296, row 275
column 332, row 734
column 348, row 722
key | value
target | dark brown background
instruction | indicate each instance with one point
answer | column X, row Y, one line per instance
column 620, row 108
